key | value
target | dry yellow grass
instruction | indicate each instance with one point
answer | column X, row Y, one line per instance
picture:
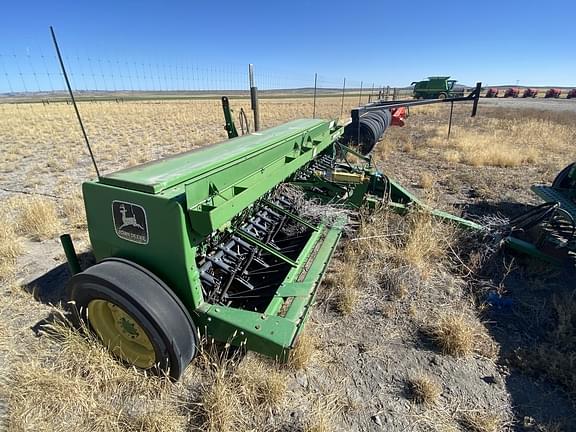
column 322, row 415
column 420, row 242
column 237, row 393
column 68, row 380
column 426, row 180
column 73, row 210
column 458, row 334
column 10, row 248
column 65, row 380
column 476, row 421
column 424, row 389
column 497, row 137
column 484, row 149
column 124, row 134
column 454, row 334
column 221, row 405
column 320, row 421
column 262, row 382
column 348, row 282
column 427, row 241
column 302, row 353
column 38, row 218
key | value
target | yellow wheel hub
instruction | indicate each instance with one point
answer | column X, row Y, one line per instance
column 121, row 333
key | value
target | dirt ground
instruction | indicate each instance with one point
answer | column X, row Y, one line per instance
column 535, row 402
column 359, row 376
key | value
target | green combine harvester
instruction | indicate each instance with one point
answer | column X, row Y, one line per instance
column 436, row 87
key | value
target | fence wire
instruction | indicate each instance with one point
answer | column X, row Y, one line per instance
column 136, row 111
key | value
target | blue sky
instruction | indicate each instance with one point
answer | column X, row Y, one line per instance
column 123, row 44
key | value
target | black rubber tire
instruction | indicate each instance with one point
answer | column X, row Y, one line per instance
column 148, row 300
column 562, row 177
column 442, row 96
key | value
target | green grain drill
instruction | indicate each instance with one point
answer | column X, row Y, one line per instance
column 209, row 244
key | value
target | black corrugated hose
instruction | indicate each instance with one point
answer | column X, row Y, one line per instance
column 369, row 130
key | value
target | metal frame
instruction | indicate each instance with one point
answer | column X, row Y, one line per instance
column 474, row 97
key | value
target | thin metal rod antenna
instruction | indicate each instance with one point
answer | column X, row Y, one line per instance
column 74, row 101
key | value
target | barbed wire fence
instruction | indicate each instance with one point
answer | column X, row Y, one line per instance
column 137, row 111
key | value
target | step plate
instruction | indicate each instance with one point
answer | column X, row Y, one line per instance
column 550, row 194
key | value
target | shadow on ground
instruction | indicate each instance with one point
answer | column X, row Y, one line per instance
column 50, row 288
column 521, row 318
column 504, row 208
column 521, row 327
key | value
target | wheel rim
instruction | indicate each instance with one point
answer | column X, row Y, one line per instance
column 121, row 333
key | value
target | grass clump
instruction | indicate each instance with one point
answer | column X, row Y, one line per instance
column 348, row 280
column 73, row 210
column 426, row 180
column 390, row 253
column 454, row 334
column 221, row 405
column 237, row 393
column 476, row 421
column 39, row 218
column 423, row 389
column 10, row 248
column 262, row 381
column 426, row 242
column 302, row 352
column 322, row 414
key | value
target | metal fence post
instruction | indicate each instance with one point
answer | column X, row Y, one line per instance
column 254, row 98
column 342, row 104
column 450, row 121
column 315, row 83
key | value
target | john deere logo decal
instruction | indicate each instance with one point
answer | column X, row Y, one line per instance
column 130, row 222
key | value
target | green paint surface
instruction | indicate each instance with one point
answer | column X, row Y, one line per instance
column 157, row 176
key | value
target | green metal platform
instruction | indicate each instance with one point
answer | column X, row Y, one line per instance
column 551, row 194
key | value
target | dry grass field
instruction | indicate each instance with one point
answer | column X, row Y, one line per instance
column 42, row 139
column 401, row 337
